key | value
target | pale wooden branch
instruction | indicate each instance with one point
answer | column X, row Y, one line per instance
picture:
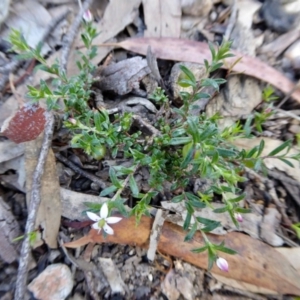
column 37, row 176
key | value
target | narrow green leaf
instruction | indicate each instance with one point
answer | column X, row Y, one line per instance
column 191, row 233
column 187, row 221
column 108, row 191
column 286, row 161
column 199, row 250
column 178, row 198
column 180, row 140
column 225, row 250
column 188, row 73
column 284, row 145
column 133, row 185
column 260, row 148
column 220, row 210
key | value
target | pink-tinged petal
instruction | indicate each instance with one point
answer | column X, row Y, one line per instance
column 238, row 217
column 108, row 229
column 96, row 226
column 93, row 216
column 104, row 211
column 222, row 264
column 113, row 220
column 87, row 16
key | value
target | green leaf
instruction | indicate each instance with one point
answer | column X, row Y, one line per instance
column 180, row 140
column 108, row 191
column 286, row 161
column 178, row 198
column 187, row 159
column 194, row 200
column 225, row 250
column 188, row 73
column 220, row 210
column 191, row 233
column 260, row 148
column 209, row 224
column 199, row 250
column 185, row 83
column 237, row 199
column 242, row 210
column 133, row 186
column 198, row 96
column 286, row 144
column 212, row 50
column 211, row 258
column 187, row 221
column 226, row 152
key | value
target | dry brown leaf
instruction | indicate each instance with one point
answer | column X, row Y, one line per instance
column 9, row 230
column 25, row 125
column 292, row 255
column 49, row 212
column 162, row 18
column 192, row 51
column 10, row 150
column 271, row 163
column 256, row 263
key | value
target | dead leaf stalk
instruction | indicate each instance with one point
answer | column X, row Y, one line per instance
column 37, row 176
column 32, row 210
column 83, row 173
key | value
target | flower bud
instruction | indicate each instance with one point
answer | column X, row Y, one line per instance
column 238, row 217
column 72, row 121
column 222, row 264
column 87, row 16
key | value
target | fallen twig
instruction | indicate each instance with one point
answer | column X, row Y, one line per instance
column 37, row 176
column 81, row 172
column 32, row 210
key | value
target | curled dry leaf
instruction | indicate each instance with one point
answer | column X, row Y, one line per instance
column 26, row 125
column 192, row 51
column 270, row 271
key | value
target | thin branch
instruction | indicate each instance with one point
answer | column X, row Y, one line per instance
column 78, row 170
column 38, row 173
column 33, row 206
column 67, row 43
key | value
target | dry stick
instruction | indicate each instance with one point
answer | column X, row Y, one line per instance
column 67, row 43
column 33, row 206
column 37, row 176
column 232, row 21
column 83, row 173
column 289, row 94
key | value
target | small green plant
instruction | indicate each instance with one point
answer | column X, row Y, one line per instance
column 260, row 117
column 32, row 237
column 184, row 146
column 296, row 228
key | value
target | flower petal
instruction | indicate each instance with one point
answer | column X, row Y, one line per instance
column 93, row 216
column 96, row 226
column 238, row 217
column 108, row 229
column 113, row 220
column 104, row 211
column 222, row 264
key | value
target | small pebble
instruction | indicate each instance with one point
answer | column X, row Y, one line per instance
column 54, row 283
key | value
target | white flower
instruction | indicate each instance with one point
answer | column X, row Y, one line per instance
column 87, row 16
column 103, row 220
column 222, row 264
